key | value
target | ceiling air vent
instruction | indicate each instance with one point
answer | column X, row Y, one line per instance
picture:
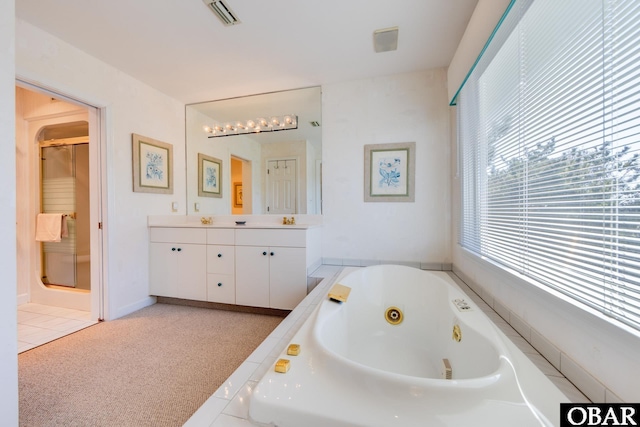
column 223, row 11
column 385, row 40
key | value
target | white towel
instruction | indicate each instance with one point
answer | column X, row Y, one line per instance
column 51, row 227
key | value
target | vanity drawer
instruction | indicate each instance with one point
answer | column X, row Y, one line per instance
column 221, row 259
column 177, row 235
column 221, row 236
column 271, row 237
column 221, row 288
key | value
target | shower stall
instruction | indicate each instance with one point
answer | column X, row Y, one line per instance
column 64, row 189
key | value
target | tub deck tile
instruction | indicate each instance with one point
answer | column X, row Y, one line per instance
column 569, row 390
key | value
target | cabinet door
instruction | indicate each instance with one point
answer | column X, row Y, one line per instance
column 192, row 268
column 163, row 270
column 287, row 277
column 220, row 259
column 252, row 276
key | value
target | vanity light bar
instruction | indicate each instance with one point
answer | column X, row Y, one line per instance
column 240, row 127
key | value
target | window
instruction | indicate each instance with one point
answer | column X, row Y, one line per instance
column 549, row 139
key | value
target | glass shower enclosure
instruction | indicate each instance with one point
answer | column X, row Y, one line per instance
column 64, row 189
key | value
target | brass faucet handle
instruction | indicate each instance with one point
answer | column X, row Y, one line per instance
column 339, row 293
column 293, row 349
column 282, row 366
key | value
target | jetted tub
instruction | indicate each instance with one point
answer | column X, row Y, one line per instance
column 359, row 366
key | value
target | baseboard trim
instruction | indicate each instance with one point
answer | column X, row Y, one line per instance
column 227, row 307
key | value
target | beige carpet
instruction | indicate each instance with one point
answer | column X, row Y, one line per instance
column 154, row 367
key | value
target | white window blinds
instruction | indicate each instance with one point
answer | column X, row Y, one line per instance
column 549, row 138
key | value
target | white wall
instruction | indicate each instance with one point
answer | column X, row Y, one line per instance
column 8, row 322
column 599, row 358
column 399, row 108
column 129, row 107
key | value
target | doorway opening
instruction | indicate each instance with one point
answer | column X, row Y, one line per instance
column 241, row 186
column 58, row 171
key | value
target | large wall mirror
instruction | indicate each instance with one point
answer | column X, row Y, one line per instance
column 259, row 154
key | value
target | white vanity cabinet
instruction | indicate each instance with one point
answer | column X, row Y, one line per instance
column 177, row 263
column 253, row 266
column 221, row 286
column 271, row 267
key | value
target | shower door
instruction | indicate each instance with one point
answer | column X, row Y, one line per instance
column 65, row 189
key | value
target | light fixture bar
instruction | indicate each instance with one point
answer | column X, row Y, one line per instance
column 261, row 124
column 223, row 11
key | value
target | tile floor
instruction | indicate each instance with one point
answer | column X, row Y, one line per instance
column 39, row 324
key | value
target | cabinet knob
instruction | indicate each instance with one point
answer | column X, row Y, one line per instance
column 179, row 249
column 219, row 255
column 173, row 249
column 264, row 253
column 272, row 254
column 219, row 284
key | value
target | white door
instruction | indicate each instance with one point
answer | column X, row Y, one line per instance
column 281, row 186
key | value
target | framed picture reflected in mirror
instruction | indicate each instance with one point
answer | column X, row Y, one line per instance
column 209, row 176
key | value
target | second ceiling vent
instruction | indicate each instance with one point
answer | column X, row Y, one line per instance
column 223, row 12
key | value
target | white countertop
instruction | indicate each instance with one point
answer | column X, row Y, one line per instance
column 231, row 225
column 303, row 222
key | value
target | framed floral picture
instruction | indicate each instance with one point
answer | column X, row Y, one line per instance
column 389, row 172
column 209, row 176
column 152, row 165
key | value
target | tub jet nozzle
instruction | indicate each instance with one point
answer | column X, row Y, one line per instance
column 393, row 315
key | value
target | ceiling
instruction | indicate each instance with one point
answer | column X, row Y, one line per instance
column 182, row 49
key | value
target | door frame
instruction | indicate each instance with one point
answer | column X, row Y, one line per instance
column 98, row 199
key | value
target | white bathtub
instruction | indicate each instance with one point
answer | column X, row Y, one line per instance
column 357, row 369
